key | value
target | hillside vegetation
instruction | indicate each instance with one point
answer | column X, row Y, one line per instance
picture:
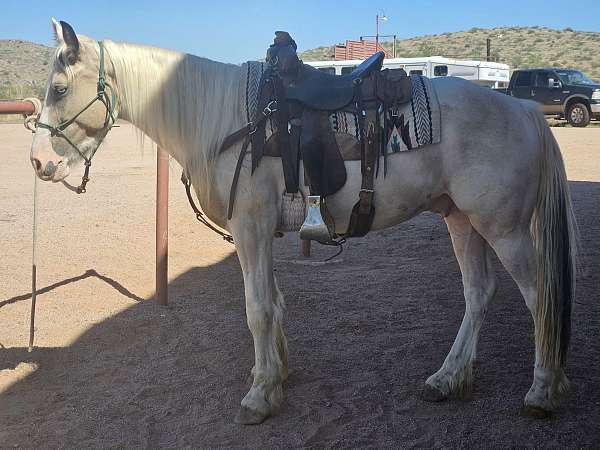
column 24, row 68
column 519, row 47
column 24, row 65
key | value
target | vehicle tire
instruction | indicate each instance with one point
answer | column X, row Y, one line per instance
column 578, row 115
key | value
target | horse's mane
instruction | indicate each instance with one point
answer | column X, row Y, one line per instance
column 185, row 103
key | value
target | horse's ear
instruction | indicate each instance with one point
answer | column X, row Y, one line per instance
column 65, row 35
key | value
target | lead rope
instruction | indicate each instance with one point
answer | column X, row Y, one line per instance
column 30, row 123
column 33, row 264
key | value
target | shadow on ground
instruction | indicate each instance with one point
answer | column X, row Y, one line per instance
column 364, row 334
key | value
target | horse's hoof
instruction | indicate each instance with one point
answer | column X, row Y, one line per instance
column 247, row 416
column 433, row 394
column 537, row 412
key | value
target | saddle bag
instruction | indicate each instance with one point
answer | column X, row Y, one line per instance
column 394, row 87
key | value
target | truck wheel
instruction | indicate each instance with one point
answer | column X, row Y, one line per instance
column 578, row 115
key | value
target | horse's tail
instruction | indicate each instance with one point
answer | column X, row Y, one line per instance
column 554, row 232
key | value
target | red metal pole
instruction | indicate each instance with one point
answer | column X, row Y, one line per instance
column 17, row 107
column 162, row 226
column 305, row 248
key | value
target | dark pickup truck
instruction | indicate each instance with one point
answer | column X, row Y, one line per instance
column 560, row 92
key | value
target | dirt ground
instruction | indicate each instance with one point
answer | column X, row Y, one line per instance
column 111, row 369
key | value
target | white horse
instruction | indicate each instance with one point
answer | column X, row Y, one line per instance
column 497, row 177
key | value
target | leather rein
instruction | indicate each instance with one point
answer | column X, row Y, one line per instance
column 109, row 121
column 245, row 132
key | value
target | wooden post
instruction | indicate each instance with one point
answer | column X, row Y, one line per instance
column 162, row 226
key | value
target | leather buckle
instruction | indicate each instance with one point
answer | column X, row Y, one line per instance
column 366, row 197
column 270, row 108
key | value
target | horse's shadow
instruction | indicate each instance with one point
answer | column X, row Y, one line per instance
column 363, row 337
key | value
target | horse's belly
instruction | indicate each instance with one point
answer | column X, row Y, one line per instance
column 410, row 187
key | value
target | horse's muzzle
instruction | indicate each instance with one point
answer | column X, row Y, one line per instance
column 45, row 172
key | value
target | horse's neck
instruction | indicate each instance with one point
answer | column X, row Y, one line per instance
column 184, row 103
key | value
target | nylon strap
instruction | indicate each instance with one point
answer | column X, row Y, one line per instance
column 363, row 211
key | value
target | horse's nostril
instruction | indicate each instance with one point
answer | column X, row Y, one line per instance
column 37, row 165
column 50, row 169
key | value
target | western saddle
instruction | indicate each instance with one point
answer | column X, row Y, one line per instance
column 299, row 99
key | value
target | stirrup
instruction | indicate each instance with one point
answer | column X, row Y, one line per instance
column 314, row 227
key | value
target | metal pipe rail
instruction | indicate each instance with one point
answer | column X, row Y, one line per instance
column 25, row 107
column 29, row 107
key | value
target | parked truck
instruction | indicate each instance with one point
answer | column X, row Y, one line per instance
column 565, row 93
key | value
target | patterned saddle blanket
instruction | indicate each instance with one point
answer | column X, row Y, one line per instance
column 413, row 125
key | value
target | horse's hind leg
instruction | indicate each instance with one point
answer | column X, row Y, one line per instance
column 264, row 311
column 516, row 252
column 454, row 378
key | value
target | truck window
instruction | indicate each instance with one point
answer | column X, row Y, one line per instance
column 440, row 71
column 329, row 70
column 541, row 79
column 415, row 72
column 523, row 79
column 346, row 70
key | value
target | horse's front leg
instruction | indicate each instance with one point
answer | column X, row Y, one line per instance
column 264, row 311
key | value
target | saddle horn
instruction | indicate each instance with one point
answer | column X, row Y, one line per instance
column 283, row 38
column 283, row 53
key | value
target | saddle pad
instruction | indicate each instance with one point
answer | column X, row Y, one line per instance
column 254, row 71
column 414, row 124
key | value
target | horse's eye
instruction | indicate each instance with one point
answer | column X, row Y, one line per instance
column 60, row 90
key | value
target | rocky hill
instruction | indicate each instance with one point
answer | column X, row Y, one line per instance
column 23, row 68
column 519, row 47
column 24, row 65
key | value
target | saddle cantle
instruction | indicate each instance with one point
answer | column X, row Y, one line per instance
column 322, row 91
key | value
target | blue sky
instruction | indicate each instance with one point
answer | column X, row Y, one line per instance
column 236, row 31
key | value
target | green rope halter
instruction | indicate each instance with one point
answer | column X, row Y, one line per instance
column 109, row 120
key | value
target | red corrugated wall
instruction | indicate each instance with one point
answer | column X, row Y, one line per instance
column 357, row 50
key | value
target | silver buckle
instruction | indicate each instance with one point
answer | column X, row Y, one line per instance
column 270, row 108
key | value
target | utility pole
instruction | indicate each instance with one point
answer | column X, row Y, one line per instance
column 488, row 43
column 377, row 19
column 376, row 32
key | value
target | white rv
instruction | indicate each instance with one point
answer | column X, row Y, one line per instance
column 486, row 73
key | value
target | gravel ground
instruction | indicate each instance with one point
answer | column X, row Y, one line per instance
column 113, row 370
